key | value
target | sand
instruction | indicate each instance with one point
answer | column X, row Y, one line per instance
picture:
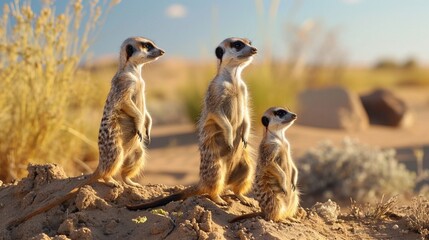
column 98, row 212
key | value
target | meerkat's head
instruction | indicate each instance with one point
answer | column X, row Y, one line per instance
column 235, row 52
column 278, row 118
column 138, row 51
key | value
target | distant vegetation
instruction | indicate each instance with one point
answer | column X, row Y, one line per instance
column 353, row 170
column 42, row 92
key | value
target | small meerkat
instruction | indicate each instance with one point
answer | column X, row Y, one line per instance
column 276, row 175
column 224, row 129
column 125, row 118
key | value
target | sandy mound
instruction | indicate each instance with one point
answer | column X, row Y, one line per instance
column 98, row 212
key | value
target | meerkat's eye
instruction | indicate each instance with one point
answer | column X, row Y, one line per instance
column 238, row 45
column 148, row 46
column 280, row 113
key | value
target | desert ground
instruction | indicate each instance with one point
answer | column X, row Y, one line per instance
column 98, row 211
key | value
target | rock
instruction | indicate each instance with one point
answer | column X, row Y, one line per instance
column 60, row 237
column 83, row 233
column 67, row 226
column 41, row 236
column 333, row 107
column 87, row 199
column 328, row 210
column 385, row 108
column 39, row 175
column 111, row 227
column 160, row 227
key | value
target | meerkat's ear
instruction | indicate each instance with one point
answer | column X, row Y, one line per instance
column 265, row 121
column 130, row 50
column 219, row 53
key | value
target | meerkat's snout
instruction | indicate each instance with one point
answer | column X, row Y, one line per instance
column 156, row 53
column 254, row 50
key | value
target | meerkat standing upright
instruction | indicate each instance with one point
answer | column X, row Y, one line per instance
column 224, row 129
column 276, row 174
column 125, row 114
column 125, row 118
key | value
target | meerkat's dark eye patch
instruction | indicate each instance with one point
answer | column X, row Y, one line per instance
column 238, row 45
column 280, row 113
column 130, row 50
column 149, row 46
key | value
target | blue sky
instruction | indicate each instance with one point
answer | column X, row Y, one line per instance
column 365, row 30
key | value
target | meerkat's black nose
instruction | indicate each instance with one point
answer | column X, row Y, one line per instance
column 254, row 50
column 161, row 52
column 294, row 116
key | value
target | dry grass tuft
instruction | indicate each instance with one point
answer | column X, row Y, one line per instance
column 418, row 219
column 41, row 89
column 379, row 211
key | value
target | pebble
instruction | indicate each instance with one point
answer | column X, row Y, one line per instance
column 395, row 226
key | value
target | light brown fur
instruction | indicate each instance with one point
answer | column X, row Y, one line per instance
column 224, row 129
column 125, row 116
column 276, row 175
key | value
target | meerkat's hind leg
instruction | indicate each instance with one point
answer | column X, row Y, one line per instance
column 240, row 180
column 110, row 165
column 132, row 165
column 213, row 178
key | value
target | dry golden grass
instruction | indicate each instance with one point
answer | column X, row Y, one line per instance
column 378, row 211
column 418, row 219
column 41, row 88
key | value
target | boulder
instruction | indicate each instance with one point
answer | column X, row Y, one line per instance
column 333, row 107
column 385, row 108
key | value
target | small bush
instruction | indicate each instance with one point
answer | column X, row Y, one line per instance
column 353, row 170
column 418, row 219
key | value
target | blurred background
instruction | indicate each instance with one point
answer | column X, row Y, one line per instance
column 355, row 71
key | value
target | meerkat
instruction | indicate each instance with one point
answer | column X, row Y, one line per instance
column 276, row 175
column 224, row 130
column 125, row 119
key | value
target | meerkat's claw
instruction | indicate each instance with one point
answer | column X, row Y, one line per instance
column 148, row 141
column 230, row 146
column 244, row 142
column 245, row 200
column 139, row 135
column 218, row 200
column 293, row 187
column 111, row 182
column 148, row 137
column 131, row 183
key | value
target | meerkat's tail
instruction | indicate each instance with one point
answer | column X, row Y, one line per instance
column 188, row 192
column 93, row 177
column 245, row 216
